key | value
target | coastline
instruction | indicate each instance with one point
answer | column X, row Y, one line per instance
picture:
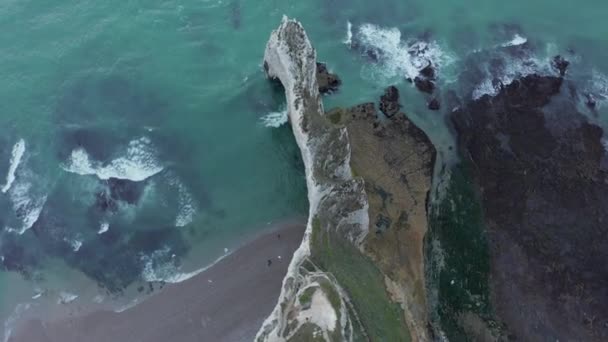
column 227, row 302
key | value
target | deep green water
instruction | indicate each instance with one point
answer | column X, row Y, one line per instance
column 181, row 83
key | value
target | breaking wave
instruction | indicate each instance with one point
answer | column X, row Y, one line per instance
column 26, row 205
column 275, row 119
column 16, row 156
column 399, row 57
column 516, row 41
column 157, row 269
column 139, row 163
column 507, row 63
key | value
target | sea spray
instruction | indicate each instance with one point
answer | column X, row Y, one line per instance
column 16, row 156
column 398, row 57
column 275, row 119
column 349, row 34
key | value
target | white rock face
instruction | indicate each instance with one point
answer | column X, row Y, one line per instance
column 335, row 197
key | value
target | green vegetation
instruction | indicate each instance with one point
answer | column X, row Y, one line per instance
column 457, row 240
column 306, row 297
column 308, row 332
column 382, row 319
column 335, row 116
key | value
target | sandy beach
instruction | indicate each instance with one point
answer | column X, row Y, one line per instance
column 227, row 302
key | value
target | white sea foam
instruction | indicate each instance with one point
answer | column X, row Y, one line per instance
column 127, row 306
column 516, row 41
column 398, row 57
column 275, row 119
column 349, row 34
column 103, row 227
column 27, row 206
column 75, row 243
column 138, row 163
column 599, row 87
column 155, row 271
column 66, row 297
column 16, row 156
column 13, row 318
column 514, row 68
column 187, row 206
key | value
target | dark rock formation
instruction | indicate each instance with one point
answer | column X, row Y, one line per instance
column 590, row 101
column 389, row 102
column 434, row 104
column 424, row 84
column 328, row 82
column 428, row 72
column 544, row 194
column 560, row 64
column 118, row 190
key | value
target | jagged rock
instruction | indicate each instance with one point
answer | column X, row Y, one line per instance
column 328, row 82
column 424, row 84
column 545, row 202
column 560, row 64
column 389, row 102
column 428, row 72
column 434, row 104
column 590, row 101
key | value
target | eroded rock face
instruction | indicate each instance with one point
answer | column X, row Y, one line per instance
column 544, row 191
column 337, row 200
column 328, row 82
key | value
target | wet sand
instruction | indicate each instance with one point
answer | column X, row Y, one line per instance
column 228, row 302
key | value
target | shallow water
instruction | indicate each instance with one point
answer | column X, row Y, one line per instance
column 170, row 98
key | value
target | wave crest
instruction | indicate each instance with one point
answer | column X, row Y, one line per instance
column 138, row 164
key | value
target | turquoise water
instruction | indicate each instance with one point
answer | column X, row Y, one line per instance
column 171, row 95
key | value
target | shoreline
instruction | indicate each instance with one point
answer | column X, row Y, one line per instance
column 227, row 302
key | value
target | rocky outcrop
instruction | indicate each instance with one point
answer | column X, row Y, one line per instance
column 359, row 272
column 424, row 84
column 389, row 102
column 543, row 184
column 433, row 104
column 395, row 159
column 328, row 82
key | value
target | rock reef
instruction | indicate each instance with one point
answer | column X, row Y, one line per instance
column 542, row 180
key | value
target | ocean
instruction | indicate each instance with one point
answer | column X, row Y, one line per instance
column 140, row 140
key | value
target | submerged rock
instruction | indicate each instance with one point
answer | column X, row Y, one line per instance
column 425, row 85
column 125, row 190
column 328, row 82
column 389, row 102
column 433, row 104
